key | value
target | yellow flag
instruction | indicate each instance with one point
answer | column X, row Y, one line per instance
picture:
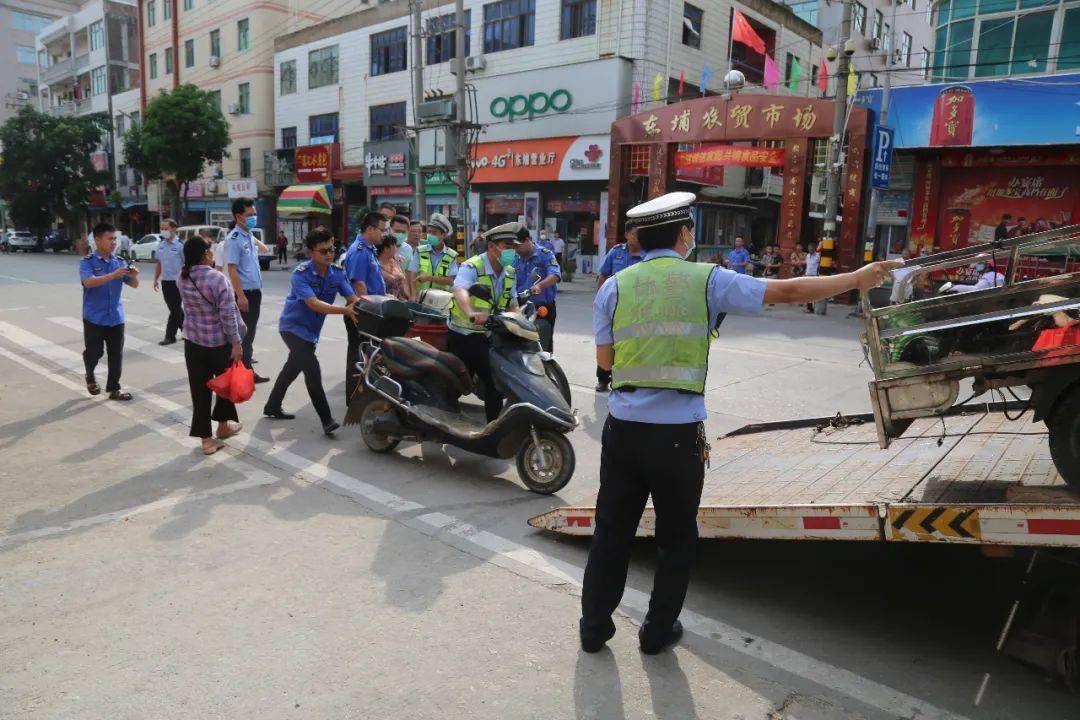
column 852, row 80
column 656, row 87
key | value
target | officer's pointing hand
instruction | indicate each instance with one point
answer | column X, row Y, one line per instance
column 873, row 275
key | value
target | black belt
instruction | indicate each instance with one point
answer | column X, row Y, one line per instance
column 635, row 388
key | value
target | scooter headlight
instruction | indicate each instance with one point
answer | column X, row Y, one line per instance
column 533, row 363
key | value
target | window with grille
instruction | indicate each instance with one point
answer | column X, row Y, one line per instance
column 509, row 24
column 388, row 53
column 323, row 67
column 288, row 78
column 441, row 38
column 578, row 19
column 639, row 159
column 387, row 120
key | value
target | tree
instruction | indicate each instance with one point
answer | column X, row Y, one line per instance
column 181, row 132
column 47, row 169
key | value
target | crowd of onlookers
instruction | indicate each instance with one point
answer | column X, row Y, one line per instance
column 770, row 260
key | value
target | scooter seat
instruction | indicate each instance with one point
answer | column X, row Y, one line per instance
column 413, row 359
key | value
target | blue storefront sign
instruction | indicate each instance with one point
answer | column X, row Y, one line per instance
column 881, row 160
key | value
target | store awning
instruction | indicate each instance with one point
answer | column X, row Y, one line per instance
column 304, row 200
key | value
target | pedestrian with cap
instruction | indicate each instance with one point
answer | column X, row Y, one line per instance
column 653, row 323
column 536, row 269
column 169, row 260
column 620, row 257
column 103, row 275
column 494, row 271
column 364, row 274
column 314, row 286
column 437, row 262
column 242, row 250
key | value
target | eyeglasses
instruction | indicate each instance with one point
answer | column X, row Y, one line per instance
column 324, row 251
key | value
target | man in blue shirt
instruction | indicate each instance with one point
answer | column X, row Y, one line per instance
column 365, row 277
column 653, row 324
column 620, row 257
column 170, row 260
column 738, row 258
column 242, row 264
column 537, row 269
column 315, row 285
column 103, row 276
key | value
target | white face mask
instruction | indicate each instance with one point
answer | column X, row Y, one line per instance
column 693, row 244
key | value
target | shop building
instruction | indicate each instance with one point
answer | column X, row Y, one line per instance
column 977, row 164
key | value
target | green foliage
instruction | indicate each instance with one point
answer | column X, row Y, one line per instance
column 46, row 169
column 181, row 131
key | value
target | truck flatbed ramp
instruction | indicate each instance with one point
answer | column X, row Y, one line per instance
column 989, row 481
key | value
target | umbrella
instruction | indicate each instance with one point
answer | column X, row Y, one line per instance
column 304, row 200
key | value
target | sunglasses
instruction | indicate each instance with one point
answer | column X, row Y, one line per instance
column 324, row 251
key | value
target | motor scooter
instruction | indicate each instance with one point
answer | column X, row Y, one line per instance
column 411, row 390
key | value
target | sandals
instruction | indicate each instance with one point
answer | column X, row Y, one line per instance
column 231, row 429
column 120, row 396
column 92, row 387
column 212, row 447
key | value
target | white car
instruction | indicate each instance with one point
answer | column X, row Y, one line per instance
column 146, row 248
column 21, row 240
column 217, row 235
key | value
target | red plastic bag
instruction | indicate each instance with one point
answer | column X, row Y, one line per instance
column 236, row 384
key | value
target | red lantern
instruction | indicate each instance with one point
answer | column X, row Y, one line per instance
column 954, row 117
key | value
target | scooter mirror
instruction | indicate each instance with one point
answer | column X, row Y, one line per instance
column 481, row 292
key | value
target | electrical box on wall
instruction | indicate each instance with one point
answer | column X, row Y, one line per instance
column 436, row 148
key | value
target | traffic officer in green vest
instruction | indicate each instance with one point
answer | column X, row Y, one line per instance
column 653, row 323
column 494, row 270
column 438, row 261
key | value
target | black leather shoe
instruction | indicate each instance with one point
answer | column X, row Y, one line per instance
column 260, row 379
column 118, row 395
column 592, row 642
column 167, row 341
column 602, row 387
column 328, row 428
column 651, row 645
column 91, row 385
column 278, row 414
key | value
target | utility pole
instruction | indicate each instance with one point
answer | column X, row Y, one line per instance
column 462, row 128
column 833, row 165
column 883, row 117
column 420, row 204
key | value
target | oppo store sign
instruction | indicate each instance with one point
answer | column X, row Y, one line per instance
column 529, row 106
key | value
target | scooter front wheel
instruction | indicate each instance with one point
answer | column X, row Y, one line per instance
column 375, row 441
column 545, row 467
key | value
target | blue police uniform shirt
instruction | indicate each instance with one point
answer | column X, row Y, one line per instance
column 436, row 258
column 618, row 258
column 546, row 244
column 738, row 255
column 361, row 265
column 241, row 251
column 467, row 277
column 171, row 256
column 727, row 292
column 101, row 305
column 296, row 317
column 541, row 262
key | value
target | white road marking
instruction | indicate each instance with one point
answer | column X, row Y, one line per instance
column 19, row 279
column 505, row 552
column 130, row 342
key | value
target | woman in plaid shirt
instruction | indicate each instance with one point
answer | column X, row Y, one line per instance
column 212, row 333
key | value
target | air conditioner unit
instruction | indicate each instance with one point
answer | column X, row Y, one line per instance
column 875, row 43
column 234, row 109
column 214, row 61
column 475, row 63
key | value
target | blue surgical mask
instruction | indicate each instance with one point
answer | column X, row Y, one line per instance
column 432, row 241
column 507, row 257
column 400, row 238
column 251, row 221
column 980, row 267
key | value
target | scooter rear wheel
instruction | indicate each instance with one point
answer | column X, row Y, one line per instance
column 376, row 442
column 547, row 471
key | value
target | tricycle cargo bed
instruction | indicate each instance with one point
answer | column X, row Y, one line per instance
column 975, row 478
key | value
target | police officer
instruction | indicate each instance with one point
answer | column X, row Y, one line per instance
column 365, row 276
column 653, row 324
column 493, row 269
column 620, row 257
column 438, row 262
column 242, row 262
column 537, row 269
column 103, row 276
column 314, row 286
column 169, row 258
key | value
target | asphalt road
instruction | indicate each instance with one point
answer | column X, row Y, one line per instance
column 295, row 576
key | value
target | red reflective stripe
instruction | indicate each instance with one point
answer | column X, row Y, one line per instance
column 821, row 523
column 579, row 520
column 1054, row 527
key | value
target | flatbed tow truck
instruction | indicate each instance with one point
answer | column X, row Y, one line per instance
column 921, row 467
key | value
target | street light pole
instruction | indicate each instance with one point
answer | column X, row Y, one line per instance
column 420, row 206
column 462, row 121
column 883, row 117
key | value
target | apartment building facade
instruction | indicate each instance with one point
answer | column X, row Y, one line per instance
column 20, row 22
column 547, row 78
column 225, row 47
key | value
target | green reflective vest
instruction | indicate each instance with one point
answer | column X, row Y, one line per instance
column 661, row 325
column 503, row 298
column 440, row 270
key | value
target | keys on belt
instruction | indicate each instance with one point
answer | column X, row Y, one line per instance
column 703, row 445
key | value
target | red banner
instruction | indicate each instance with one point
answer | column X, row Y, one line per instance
column 313, row 164
column 712, row 154
column 791, row 207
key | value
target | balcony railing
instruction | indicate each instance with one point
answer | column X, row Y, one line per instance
column 58, row 71
column 72, row 107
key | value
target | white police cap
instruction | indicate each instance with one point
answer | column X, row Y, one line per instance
column 670, row 208
column 441, row 222
column 507, row 232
